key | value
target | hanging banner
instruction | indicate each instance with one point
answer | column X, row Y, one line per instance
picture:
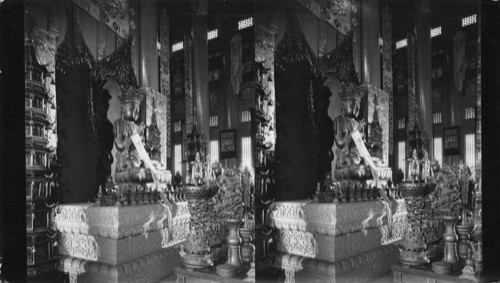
column 165, row 71
column 459, row 56
column 236, row 65
column 387, row 79
column 411, row 86
column 188, row 82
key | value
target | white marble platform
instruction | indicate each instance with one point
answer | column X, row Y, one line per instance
column 330, row 242
column 119, row 244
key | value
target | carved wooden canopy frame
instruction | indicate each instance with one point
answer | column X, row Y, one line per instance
column 117, row 67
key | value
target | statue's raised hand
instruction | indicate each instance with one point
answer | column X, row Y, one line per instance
column 141, row 128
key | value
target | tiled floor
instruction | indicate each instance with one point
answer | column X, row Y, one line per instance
column 275, row 277
column 386, row 278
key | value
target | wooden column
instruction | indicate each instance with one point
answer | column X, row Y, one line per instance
column 148, row 57
column 370, row 48
column 148, row 37
column 200, row 67
column 423, row 68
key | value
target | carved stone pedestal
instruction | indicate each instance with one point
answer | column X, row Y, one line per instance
column 327, row 242
column 119, row 244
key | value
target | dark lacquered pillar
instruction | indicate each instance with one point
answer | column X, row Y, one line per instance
column 200, row 67
column 148, row 37
column 423, row 68
column 370, row 48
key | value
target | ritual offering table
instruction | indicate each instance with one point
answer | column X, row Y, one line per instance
column 119, row 244
column 337, row 242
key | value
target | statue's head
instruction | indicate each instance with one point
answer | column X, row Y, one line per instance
column 351, row 100
column 131, row 101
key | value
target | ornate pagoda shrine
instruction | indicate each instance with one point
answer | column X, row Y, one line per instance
column 39, row 178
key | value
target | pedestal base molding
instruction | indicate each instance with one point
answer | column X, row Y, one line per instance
column 149, row 268
column 113, row 251
column 363, row 267
column 329, row 248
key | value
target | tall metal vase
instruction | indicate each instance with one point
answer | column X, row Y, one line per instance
column 450, row 240
column 234, row 242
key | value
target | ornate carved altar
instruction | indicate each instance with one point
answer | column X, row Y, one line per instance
column 330, row 241
column 119, row 244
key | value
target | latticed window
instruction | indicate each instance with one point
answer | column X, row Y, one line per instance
column 213, row 34
column 438, row 149
column 246, row 152
column 401, row 123
column 214, row 121
column 470, row 113
column 470, row 150
column 472, row 19
column 245, row 23
column 246, row 116
column 178, row 46
column 177, row 159
column 177, row 126
column 437, row 118
column 436, row 31
column 402, row 156
column 401, row 43
column 214, row 151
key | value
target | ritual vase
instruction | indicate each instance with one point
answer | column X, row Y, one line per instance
column 247, row 248
column 234, row 241
column 450, row 240
column 196, row 261
column 464, row 245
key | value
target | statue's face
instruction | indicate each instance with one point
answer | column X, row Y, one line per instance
column 351, row 107
column 131, row 110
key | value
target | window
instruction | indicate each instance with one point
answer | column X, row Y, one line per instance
column 436, row 31
column 401, row 123
column 401, row 43
column 214, row 151
column 467, row 21
column 214, row 121
column 402, row 156
column 246, row 116
column 470, row 150
column 470, row 113
column 213, row 34
column 178, row 46
column 245, row 23
column 436, row 118
column 177, row 126
column 177, row 159
column 246, row 152
column 438, row 149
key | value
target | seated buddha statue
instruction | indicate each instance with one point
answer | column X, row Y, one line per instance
column 414, row 167
column 347, row 153
column 127, row 157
